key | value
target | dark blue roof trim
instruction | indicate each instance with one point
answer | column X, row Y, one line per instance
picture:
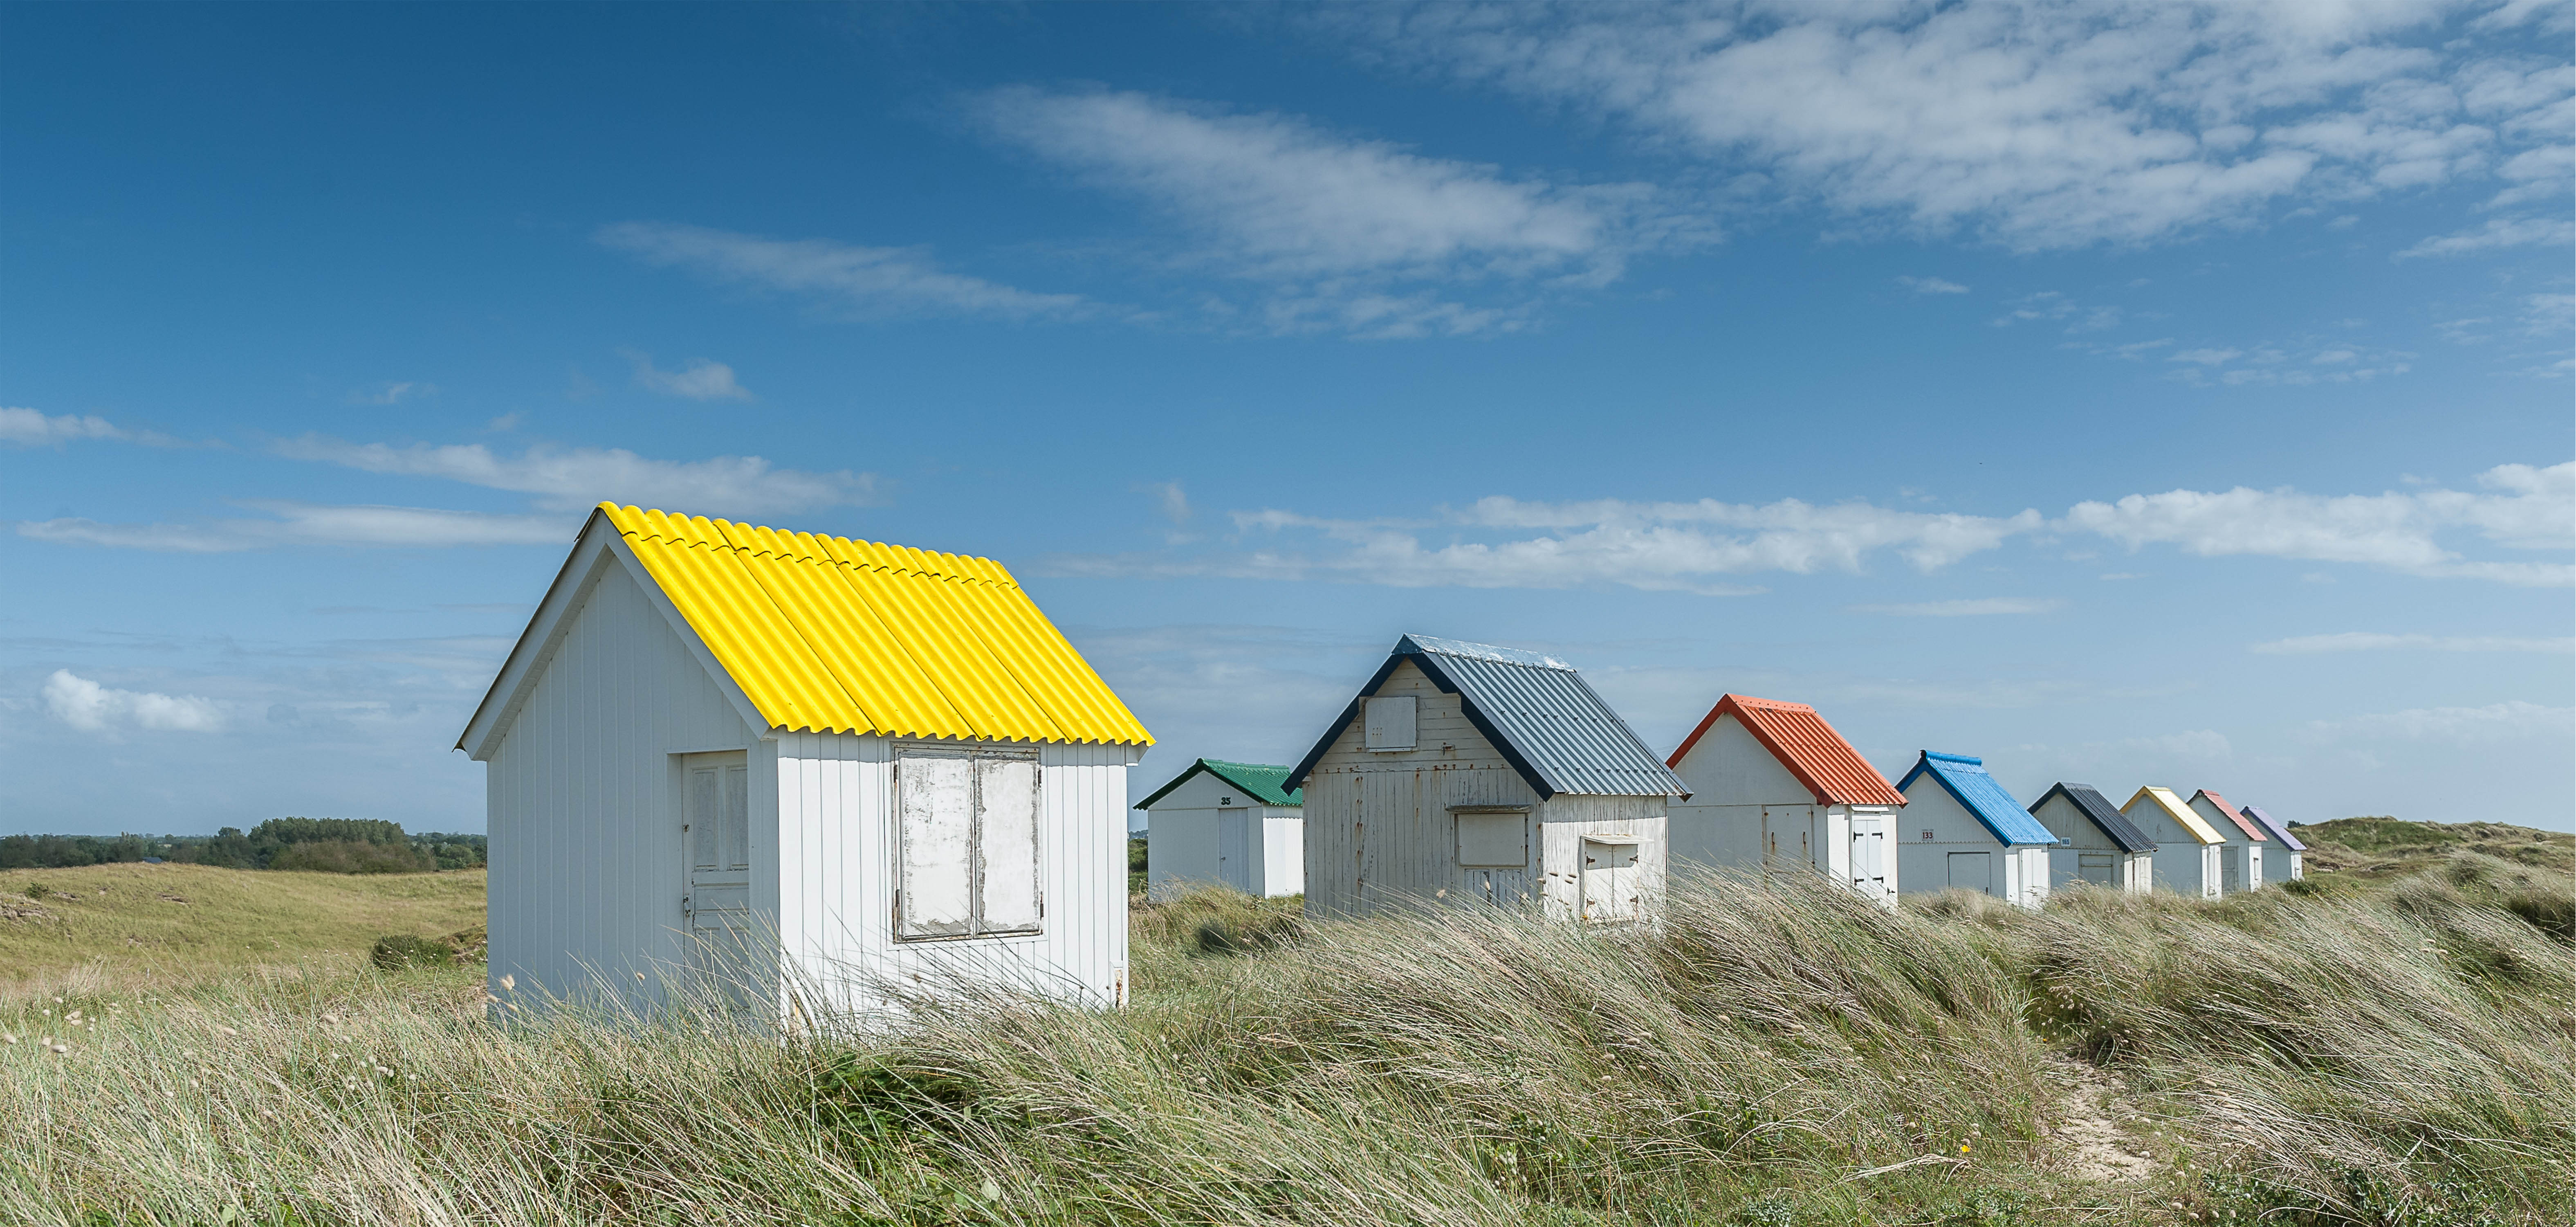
column 2097, row 808
column 1540, row 715
column 1964, row 778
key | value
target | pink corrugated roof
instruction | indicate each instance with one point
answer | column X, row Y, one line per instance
column 1806, row 745
column 2242, row 822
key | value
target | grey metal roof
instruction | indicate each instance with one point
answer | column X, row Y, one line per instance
column 2090, row 802
column 1539, row 713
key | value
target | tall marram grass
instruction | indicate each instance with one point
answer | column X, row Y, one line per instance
column 1762, row 1055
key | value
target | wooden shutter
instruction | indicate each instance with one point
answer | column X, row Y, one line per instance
column 1391, row 722
column 937, row 816
column 1008, row 837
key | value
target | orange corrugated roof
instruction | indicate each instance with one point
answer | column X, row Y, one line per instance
column 2242, row 822
column 1806, row 745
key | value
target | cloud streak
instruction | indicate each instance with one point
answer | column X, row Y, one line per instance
column 1503, row 542
column 307, row 524
column 2036, row 126
column 1339, row 225
column 2368, row 641
column 567, row 478
column 871, row 282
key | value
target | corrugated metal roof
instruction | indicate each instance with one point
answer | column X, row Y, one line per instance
column 1539, row 713
column 1257, row 780
column 831, row 635
column 2097, row 808
column 1964, row 776
column 2279, row 830
column 1806, row 745
column 2164, row 799
column 2243, row 823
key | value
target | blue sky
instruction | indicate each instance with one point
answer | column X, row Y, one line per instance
column 2129, row 395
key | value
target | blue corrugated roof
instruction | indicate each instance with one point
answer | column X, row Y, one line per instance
column 2090, row 802
column 1539, row 713
column 2280, row 830
column 1977, row 792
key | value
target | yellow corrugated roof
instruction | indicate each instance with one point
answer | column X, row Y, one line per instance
column 2179, row 812
column 830, row 635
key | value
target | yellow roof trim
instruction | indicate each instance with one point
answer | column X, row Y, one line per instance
column 830, row 635
column 2175, row 809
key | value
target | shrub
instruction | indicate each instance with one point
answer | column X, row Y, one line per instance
column 402, row 950
column 348, row 856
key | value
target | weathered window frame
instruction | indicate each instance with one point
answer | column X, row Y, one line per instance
column 981, row 918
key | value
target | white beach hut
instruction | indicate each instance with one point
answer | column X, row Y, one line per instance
column 2240, row 864
column 1973, row 835
column 1223, row 823
column 2188, row 850
column 1471, row 773
column 1772, row 784
column 2288, row 861
column 818, row 765
column 2097, row 843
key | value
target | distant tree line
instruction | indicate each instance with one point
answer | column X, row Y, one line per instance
column 326, row 845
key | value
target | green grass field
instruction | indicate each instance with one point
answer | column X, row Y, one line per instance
column 2391, row 1053
column 2382, row 848
column 127, row 925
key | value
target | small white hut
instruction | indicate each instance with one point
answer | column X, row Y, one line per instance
column 1471, row 773
column 2289, row 861
column 2187, row 849
column 1974, row 835
column 2098, row 844
column 806, row 762
column 2240, row 864
column 1771, row 785
column 1222, row 823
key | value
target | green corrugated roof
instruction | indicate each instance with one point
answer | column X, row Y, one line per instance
column 1260, row 781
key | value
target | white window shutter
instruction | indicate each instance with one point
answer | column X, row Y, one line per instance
column 1391, row 722
column 937, row 805
column 737, row 818
column 1009, row 791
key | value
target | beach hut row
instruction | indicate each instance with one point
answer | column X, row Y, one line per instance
column 819, row 775
column 1471, row 771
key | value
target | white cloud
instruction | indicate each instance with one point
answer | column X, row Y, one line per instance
column 294, row 524
column 1931, row 285
column 1173, row 500
column 31, row 428
column 2038, row 125
column 701, row 379
column 567, row 478
column 1335, row 220
column 91, row 707
column 392, row 393
column 2528, row 508
column 870, row 281
column 2514, row 718
column 2496, row 232
column 1970, row 608
column 2369, row 641
column 1692, row 546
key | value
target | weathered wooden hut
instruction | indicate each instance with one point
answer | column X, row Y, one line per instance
column 2187, row 848
column 1973, row 835
column 2240, row 863
column 1229, row 824
column 2288, row 860
column 1467, row 772
column 807, row 766
column 2097, row 843
column 1772, row 784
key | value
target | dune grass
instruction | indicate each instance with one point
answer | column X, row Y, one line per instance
column 123, row 927
column 1764, row 1055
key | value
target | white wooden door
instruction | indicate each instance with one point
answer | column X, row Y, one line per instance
column 1611, row 889
column 715, row 834
column 1869, row 857
column 1234, row 850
